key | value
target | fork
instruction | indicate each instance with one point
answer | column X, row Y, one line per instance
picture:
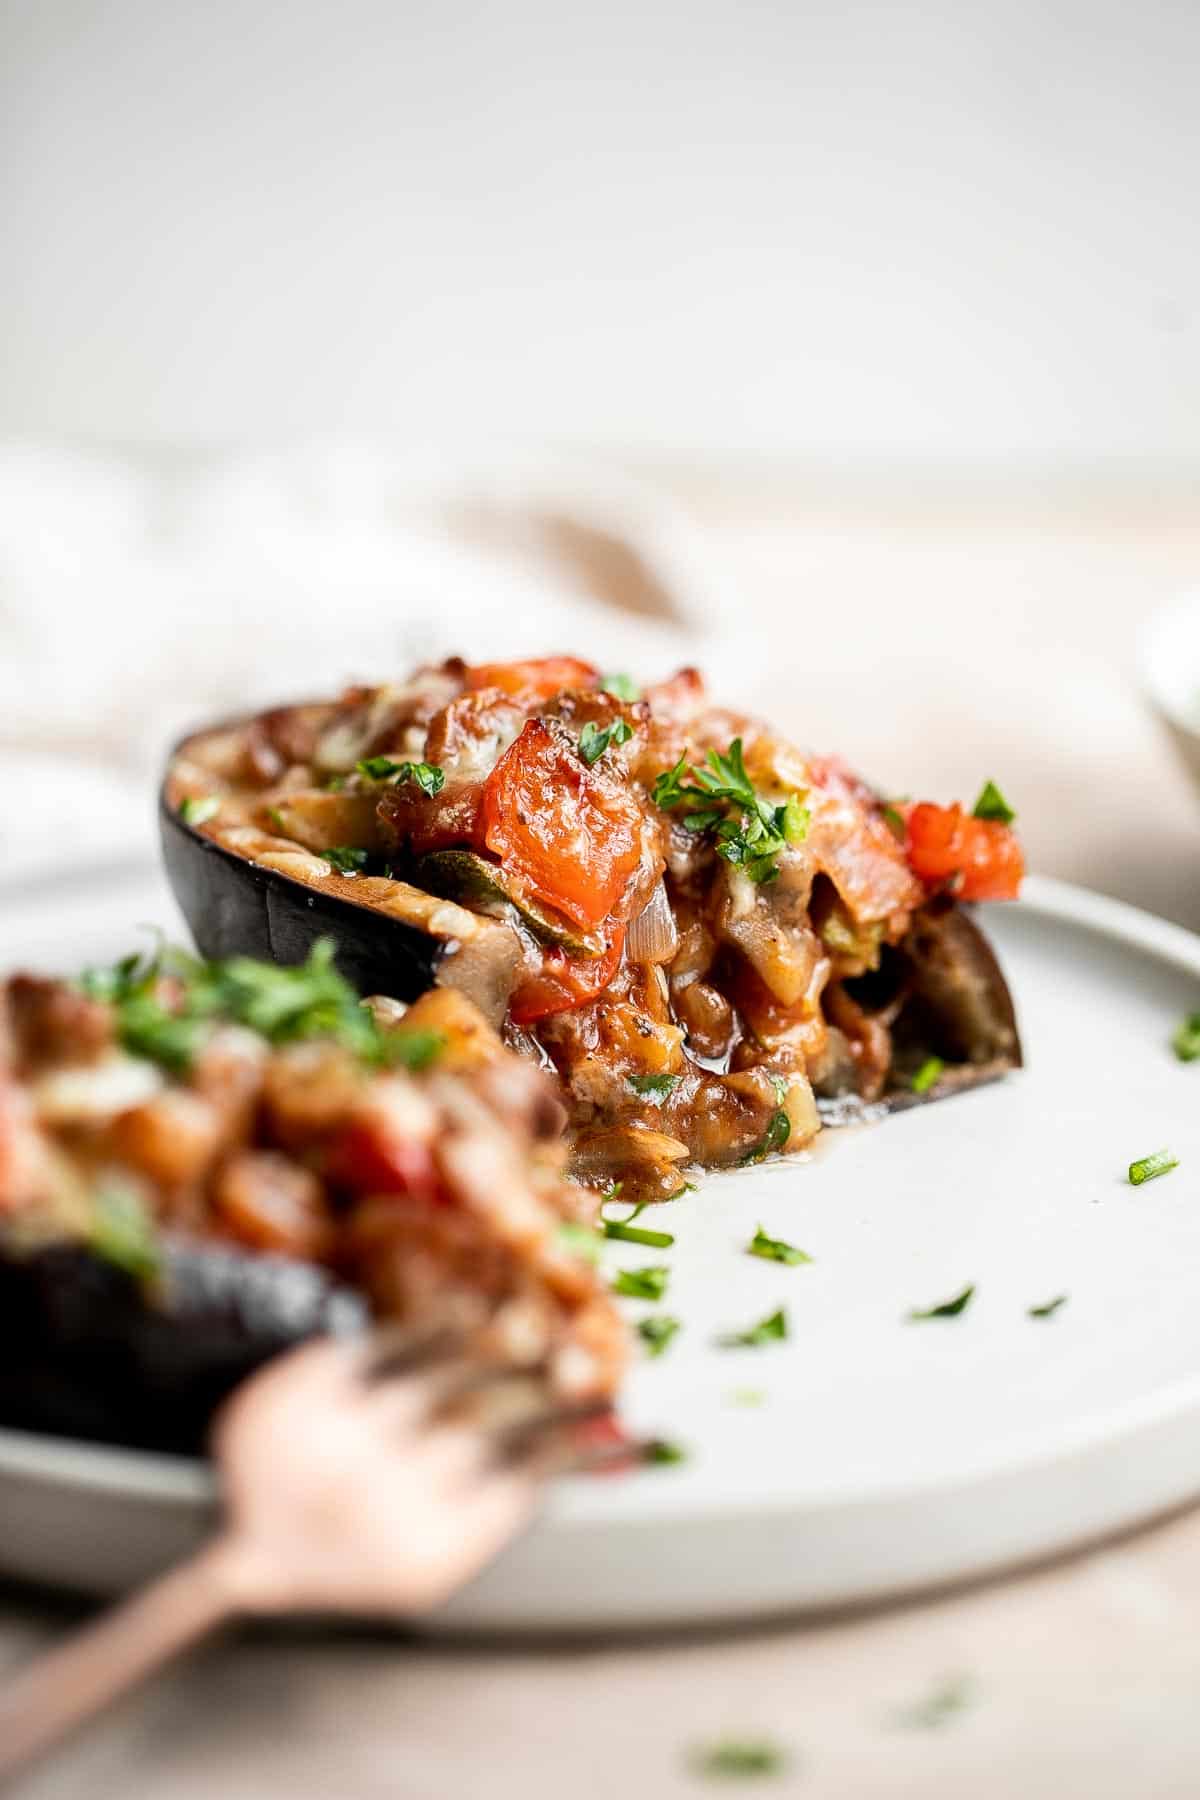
column 358, row 1477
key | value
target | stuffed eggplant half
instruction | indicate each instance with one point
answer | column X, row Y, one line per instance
column 201, row 1164
column 714, row 940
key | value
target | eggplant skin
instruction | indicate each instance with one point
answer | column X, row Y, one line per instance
column 236, row 908
column 86, row 1352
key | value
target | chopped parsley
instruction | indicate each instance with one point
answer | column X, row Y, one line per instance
column 991, row 804
column 748, row 831
column 928, row 1075
column 779, row 1130
column 198, row 809
column 169, row 1021
column 623, row 686
column 123, row 1234
column 946, row 1309
column 428, row 777
column 1186, row 1041
column 1048, row 1308
column 346, row 859
column 776, row 1250
column 739, row 1759
column 893, row 818
column 1161, row 1162
column 653, row 1086
column 661, row 1450
column 938, row 1708
column 642, row 1284
column 656, row 1332
column 594, row 739
column 626, row 1230
column 768, row 1331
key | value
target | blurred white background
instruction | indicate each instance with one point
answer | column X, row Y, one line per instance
column 949, row 231
column 858, row 347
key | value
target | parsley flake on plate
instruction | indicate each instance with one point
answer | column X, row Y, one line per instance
column 1186, row 1040
column 991, row 804
column 657, row 1332
column 776, row 1250
column 1160, row 1162
column 642, row 1284
column 946, row 1309
column 625, row 1229
column 1048, row 1308
column 594, row 739
column 739, row 1759
column 951, row 1697
column 768, row 1331
column 658, row 1451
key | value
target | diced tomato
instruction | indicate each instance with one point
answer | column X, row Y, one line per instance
column 536, row 679
column 375, row 1153
column 980, row 858
column 569, row 835
column 564, row 981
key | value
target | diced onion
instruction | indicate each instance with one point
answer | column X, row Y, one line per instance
column 652, row 935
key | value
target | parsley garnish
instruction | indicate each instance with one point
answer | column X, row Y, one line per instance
column 653, row 1086
column 594, row 739
column 991, row 804
column 767, row 1331
column 749, row 832
column 661, row 1450
column 346, row 859
column 937, row 1708
column 928, row 1075
column 623, row 686
column 642, row 1284
column 947, row 1309
column 776, row 1134
column 198, row 809
column 122, row 1233
column 1186, row 1041
column 739, row 1758
column 776, row 1250
column 281, row 1004
column 1048, row 1307
column 626, row 1230
column 428, row 777
column 1147, row 1167
column 656, row 1332
column 893, row 818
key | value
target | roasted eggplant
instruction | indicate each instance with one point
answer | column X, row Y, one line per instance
column 711, row 938
column 89, row 1350
column 203, row 1164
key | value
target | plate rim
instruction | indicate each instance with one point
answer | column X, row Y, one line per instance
column 145, row 1475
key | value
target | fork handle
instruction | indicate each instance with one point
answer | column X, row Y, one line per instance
column 66, row 1685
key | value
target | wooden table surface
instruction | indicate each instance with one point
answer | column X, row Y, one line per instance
column 935, row 642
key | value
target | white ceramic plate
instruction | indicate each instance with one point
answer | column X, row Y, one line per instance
column 882, row 1456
